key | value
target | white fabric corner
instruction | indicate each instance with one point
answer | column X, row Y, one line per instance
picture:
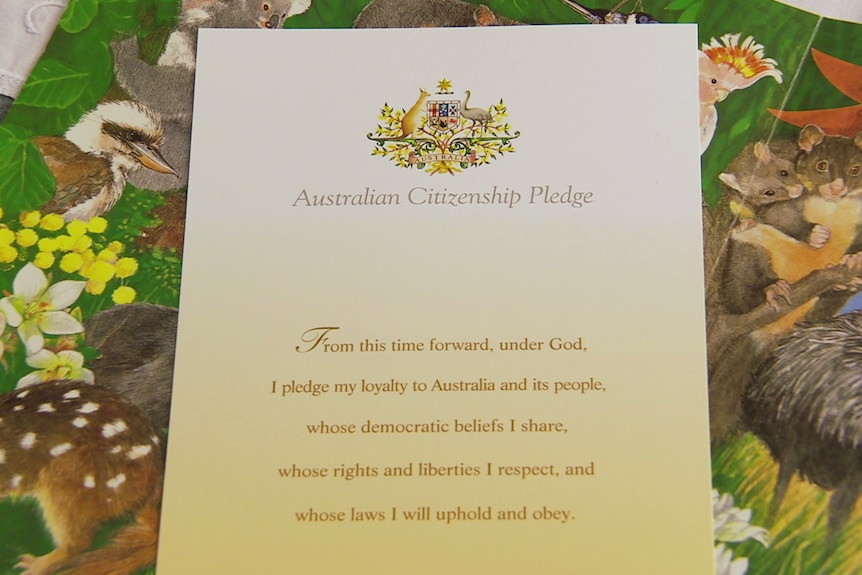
column 25, row 28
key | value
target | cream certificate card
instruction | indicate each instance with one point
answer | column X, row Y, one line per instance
column 442, row 306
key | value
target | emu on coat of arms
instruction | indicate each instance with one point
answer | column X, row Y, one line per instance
column 441, row 134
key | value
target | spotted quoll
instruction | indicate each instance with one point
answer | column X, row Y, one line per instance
column 87, row 456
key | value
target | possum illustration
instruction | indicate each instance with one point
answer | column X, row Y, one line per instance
column 763, row 257
column 828, row 166
column 761, row 175
column 833, row 167
column 427, row 14
column 763, row 190
column 167, row 86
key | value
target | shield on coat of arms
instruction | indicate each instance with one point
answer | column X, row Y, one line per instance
column 444, row 115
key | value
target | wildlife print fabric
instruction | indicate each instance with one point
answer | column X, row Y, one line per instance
column 93, row 172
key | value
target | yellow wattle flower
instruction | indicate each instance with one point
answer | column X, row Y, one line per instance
column 116, row 247
column 101, row 271
column 126, row 267
column 76, row 228
column 94, row 287
column 27, row 237
column 8, row 254
column 65, row 243
column 7, row 236
column 70, row 263
column 30, row 219
column 44, row 260
column 49, row 245
column 123, row 294
column 82, row 244
column 97, row 225
column 52, row 222
column 107, row 255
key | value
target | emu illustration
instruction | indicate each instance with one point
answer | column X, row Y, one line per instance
column 475, row 115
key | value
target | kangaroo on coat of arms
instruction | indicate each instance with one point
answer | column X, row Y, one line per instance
column 440, row 134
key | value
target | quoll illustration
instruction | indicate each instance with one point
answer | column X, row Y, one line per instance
column 87, row 456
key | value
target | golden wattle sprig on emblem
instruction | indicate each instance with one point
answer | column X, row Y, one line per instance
column 443, row 133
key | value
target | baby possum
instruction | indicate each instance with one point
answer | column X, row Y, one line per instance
column 762, row 189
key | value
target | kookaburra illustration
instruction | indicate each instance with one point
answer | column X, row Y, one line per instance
column 92, row 161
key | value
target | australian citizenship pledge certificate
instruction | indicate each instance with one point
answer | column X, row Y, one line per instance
column 442, row 306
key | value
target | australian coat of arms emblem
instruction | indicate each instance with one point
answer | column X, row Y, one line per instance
column 441, row 134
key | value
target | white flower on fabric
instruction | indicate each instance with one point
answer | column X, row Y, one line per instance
column 66, row 364
column 36, row 309
column 732, row 524
column 725, row 564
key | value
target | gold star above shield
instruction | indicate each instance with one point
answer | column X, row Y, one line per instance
column 444, row 86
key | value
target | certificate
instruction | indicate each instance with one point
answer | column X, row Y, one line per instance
column 442, row 306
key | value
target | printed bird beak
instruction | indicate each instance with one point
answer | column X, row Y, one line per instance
column 721, row 94
column 151, row 158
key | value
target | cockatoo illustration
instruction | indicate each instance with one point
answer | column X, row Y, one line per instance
column 726, row 65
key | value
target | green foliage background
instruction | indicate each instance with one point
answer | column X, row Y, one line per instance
column 77, row 72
